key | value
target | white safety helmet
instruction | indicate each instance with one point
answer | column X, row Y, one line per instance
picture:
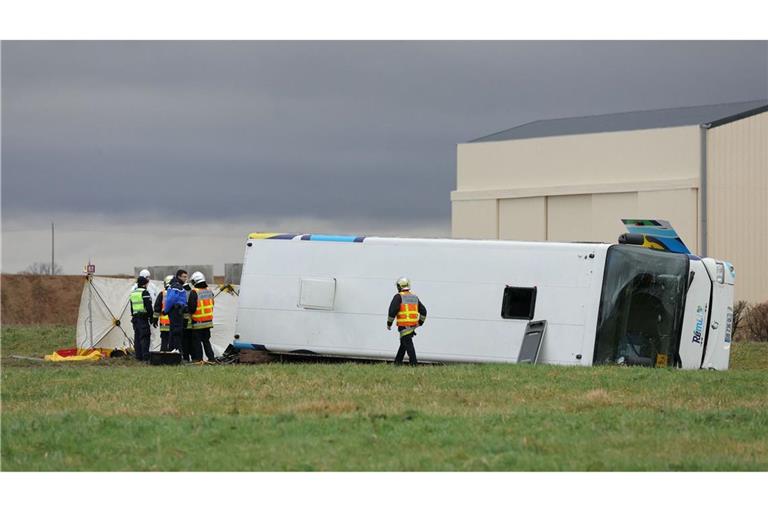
column 167, row 281
column 197, row 277
column 403, row 283
column 145, row 273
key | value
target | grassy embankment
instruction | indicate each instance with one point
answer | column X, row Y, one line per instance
column 120, row 415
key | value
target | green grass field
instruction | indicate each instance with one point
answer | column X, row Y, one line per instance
column 121, row 415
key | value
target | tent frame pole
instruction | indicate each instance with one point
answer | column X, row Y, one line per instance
column 90, row 308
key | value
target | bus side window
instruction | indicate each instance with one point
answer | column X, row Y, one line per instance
column 518, row 303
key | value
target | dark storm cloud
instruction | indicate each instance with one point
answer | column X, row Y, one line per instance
column 327, row 129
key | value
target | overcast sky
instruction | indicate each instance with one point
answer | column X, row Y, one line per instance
column 136, row 149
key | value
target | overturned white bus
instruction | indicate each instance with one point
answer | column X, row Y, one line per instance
column 603, row 303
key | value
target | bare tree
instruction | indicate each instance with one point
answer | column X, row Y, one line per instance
column 740, row 309
column 43, row 269
column 756, row 321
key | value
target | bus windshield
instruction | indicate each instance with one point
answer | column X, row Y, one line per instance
column 641, row 307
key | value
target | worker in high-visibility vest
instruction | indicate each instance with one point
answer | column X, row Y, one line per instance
column 410, row 313
column 141, row 312
column 189, row 340
column 160, row 318
column 200, row 306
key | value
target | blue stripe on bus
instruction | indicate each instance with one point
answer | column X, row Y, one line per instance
column 333, row 238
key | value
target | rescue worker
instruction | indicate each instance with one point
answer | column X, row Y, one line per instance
column 159, row 317
column 141, row 308
column 188, row 341
column 175, row 307
column 200, row 305
column 151, row 288
column 410, row 313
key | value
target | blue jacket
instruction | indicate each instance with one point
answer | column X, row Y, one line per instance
column 175, row 296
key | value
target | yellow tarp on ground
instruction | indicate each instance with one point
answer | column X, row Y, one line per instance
column 77, row 355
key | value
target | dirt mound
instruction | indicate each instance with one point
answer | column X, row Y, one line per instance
column 28, row 299
column 40, row 299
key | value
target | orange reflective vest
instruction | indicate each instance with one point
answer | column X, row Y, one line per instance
column 408, row 316
column 202, row 318
column 164, row 321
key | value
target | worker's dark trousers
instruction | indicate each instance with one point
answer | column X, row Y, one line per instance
column 164, row 341
column 203, row 343
column 406, row 345
column 188, row 345
column 141, row 337
column 176, row 334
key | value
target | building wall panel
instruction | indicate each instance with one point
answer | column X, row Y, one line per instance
column 737, row 202
column 474, row 219
column 523, row 218
column 569, row 218
column 607, row 212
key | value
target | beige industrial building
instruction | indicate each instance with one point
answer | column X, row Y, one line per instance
column 704, row 169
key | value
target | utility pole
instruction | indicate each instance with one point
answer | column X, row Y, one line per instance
column 52, row 250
